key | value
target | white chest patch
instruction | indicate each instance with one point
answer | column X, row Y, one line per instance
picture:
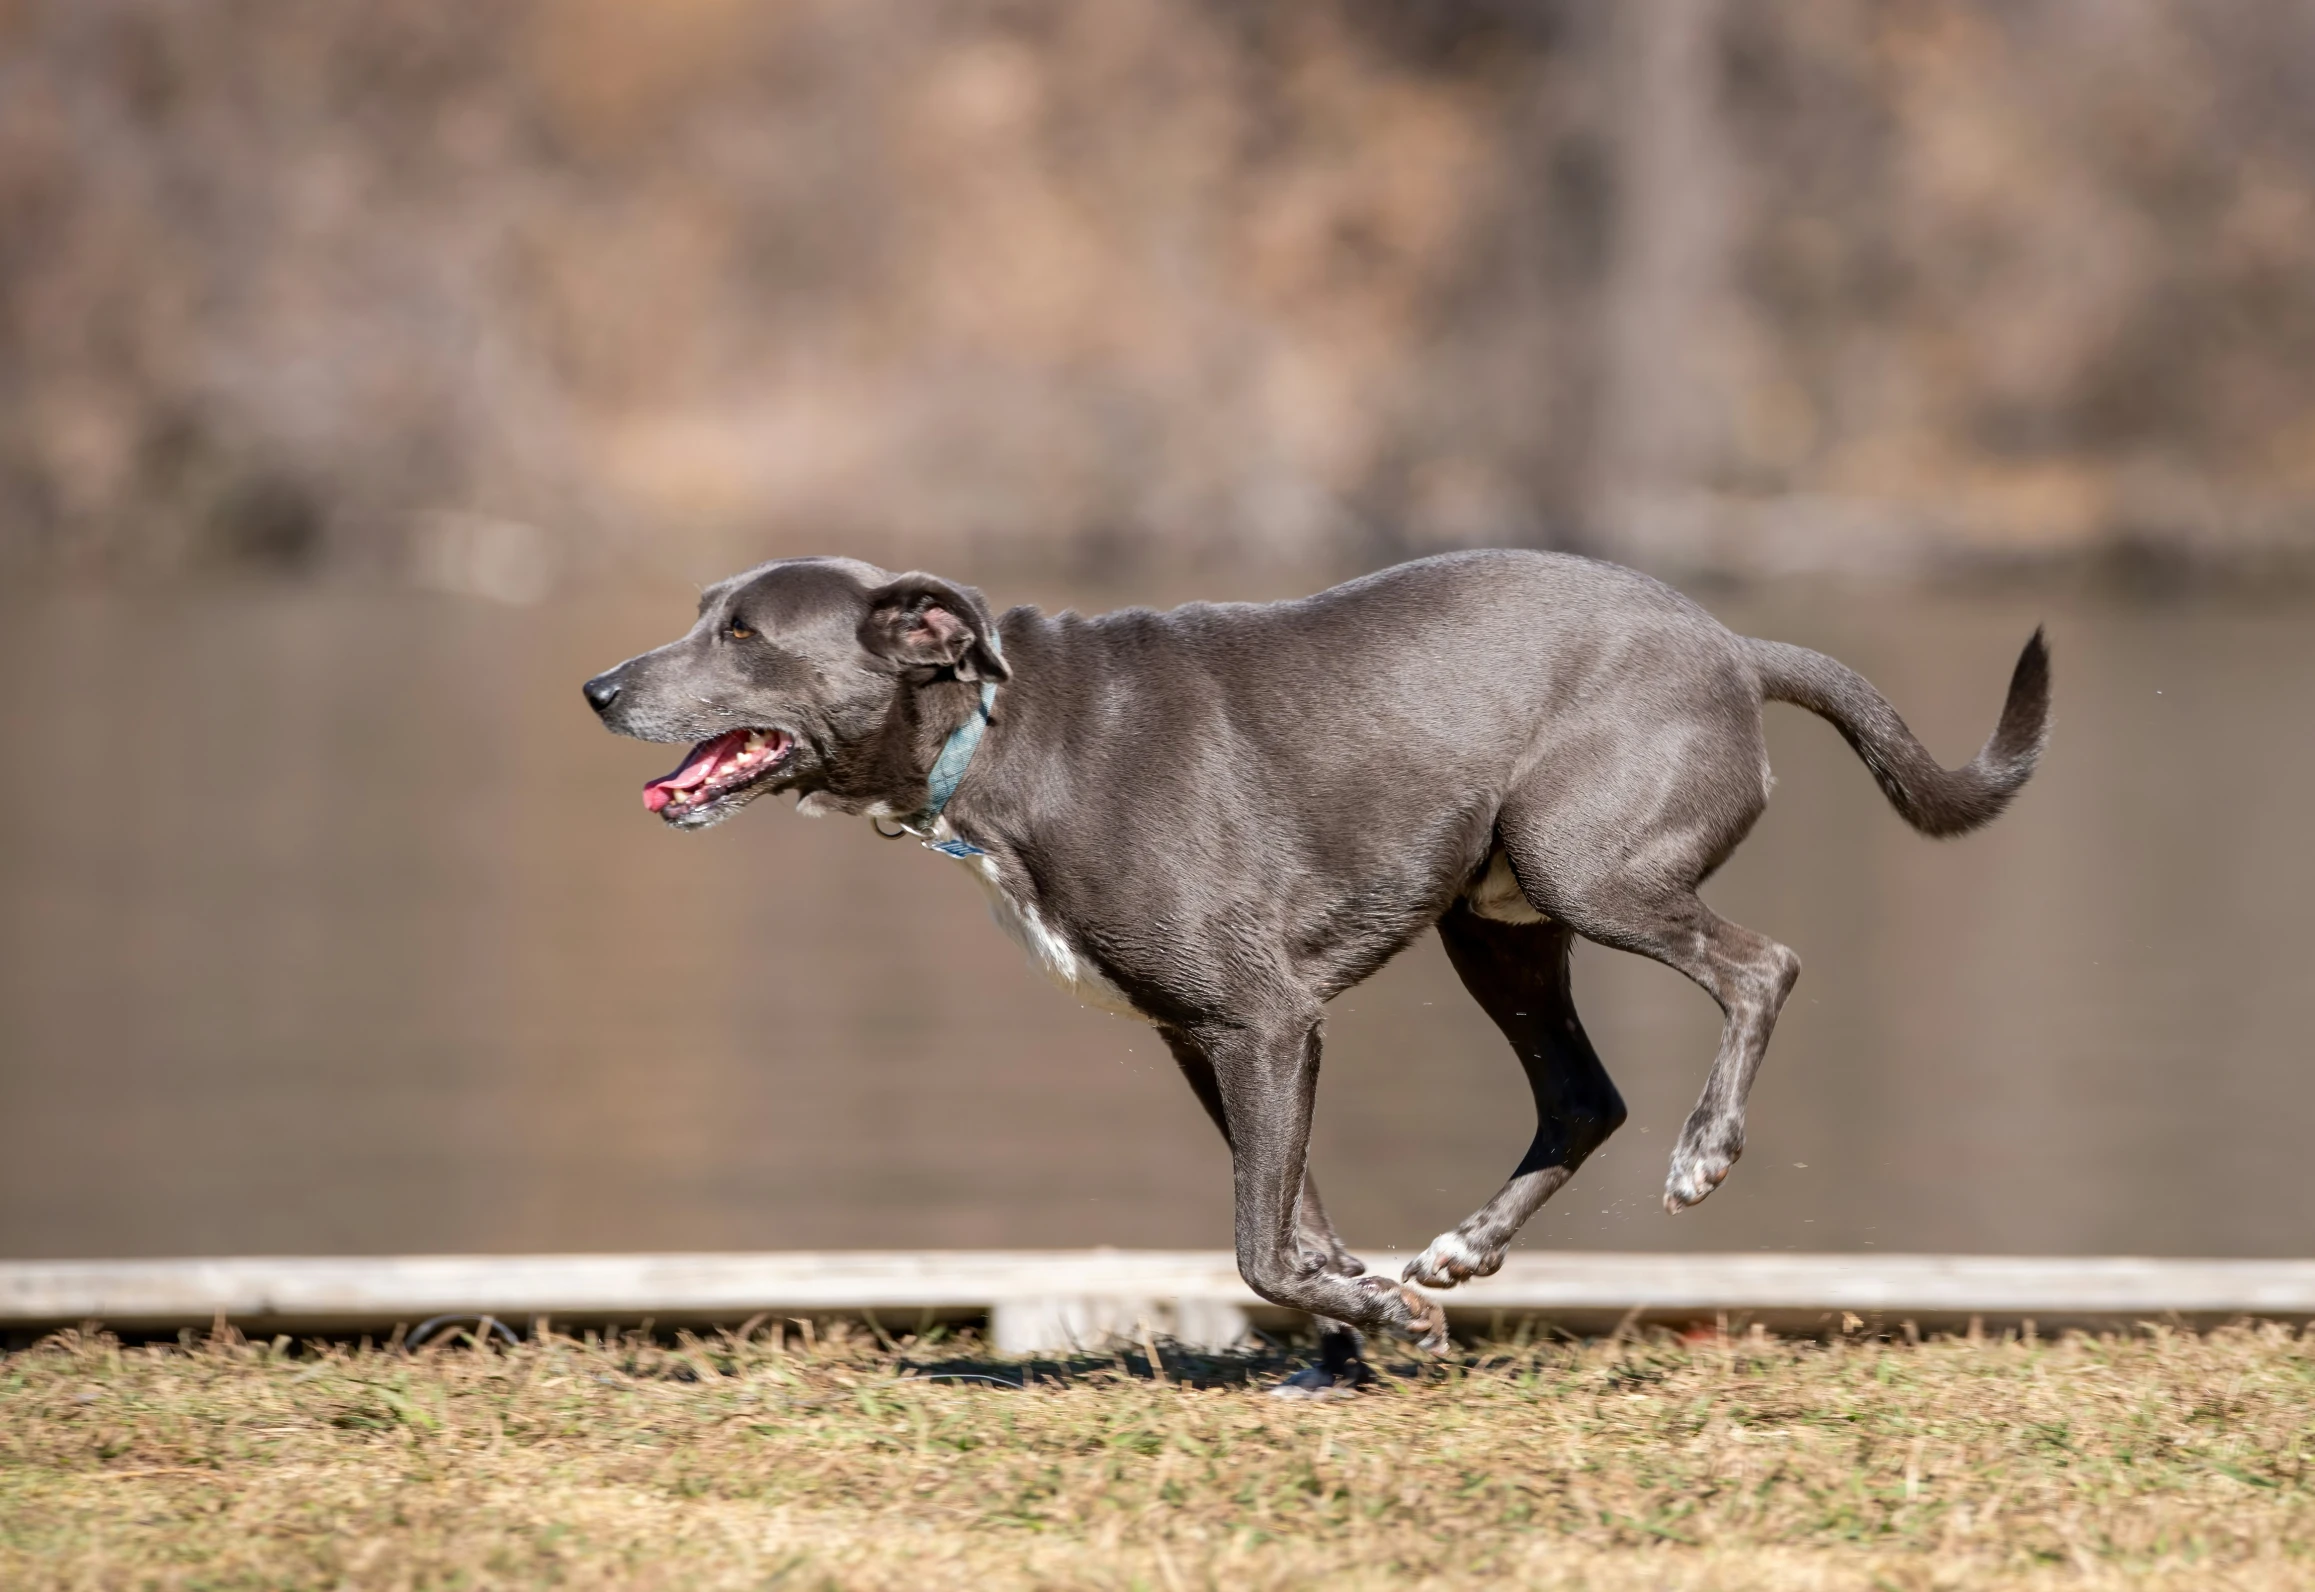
column 1497, row 894
column 1049, row 951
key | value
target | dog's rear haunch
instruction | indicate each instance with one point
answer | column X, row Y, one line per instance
column 1219, row 817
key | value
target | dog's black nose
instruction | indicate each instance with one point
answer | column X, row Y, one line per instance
column 602, row 691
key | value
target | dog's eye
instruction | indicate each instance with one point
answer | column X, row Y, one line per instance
column 738, row 631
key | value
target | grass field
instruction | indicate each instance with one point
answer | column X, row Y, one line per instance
column 2159, row 1460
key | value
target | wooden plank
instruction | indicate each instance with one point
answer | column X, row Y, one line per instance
column 1587, row 1292
column 1583, row 1292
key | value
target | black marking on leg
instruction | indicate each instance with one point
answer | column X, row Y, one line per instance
column 1519, row 973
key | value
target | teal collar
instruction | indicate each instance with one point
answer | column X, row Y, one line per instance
column 948, row 770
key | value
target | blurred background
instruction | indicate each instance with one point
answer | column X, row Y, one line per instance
column 369, row 376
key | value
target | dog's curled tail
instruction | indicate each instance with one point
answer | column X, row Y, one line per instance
column 1935, row 800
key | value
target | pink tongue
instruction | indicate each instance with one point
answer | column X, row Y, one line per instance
column 697, row 769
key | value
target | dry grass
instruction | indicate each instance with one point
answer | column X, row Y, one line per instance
column 2161, row 1460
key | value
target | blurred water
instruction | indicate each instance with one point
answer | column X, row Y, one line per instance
column 331, row 922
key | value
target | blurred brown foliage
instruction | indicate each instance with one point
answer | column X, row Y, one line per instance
column 1740, row 284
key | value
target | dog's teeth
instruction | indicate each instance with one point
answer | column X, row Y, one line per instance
column 756, row 741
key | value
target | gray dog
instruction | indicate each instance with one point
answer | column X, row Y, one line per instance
column 1218, row 818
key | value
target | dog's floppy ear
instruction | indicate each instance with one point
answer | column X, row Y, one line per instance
column 922, row 621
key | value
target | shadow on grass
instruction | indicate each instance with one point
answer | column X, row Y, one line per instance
column 1263, row 1364
column 651, row 1353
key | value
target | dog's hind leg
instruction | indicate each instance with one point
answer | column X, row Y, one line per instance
column 1612, row 840
column 1748, row 974
column 1518, row 972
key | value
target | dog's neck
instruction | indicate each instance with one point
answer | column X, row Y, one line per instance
column 948, row 770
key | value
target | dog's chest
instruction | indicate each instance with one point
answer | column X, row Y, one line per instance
column 1048, row 949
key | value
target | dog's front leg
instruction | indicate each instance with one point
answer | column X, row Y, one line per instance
column 1519, row 973
column 1317, row 1233
column 1340, row 1367
column 1267, row 1075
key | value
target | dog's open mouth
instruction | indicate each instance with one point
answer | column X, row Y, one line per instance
column 716, row 769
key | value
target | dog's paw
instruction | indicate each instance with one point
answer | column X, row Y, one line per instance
column 1409, row 1313
column 1696, row 1173
column 1451, row 1259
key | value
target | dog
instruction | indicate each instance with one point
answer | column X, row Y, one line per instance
column 1217, row 818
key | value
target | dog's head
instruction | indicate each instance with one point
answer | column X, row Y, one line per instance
column 824, row 676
